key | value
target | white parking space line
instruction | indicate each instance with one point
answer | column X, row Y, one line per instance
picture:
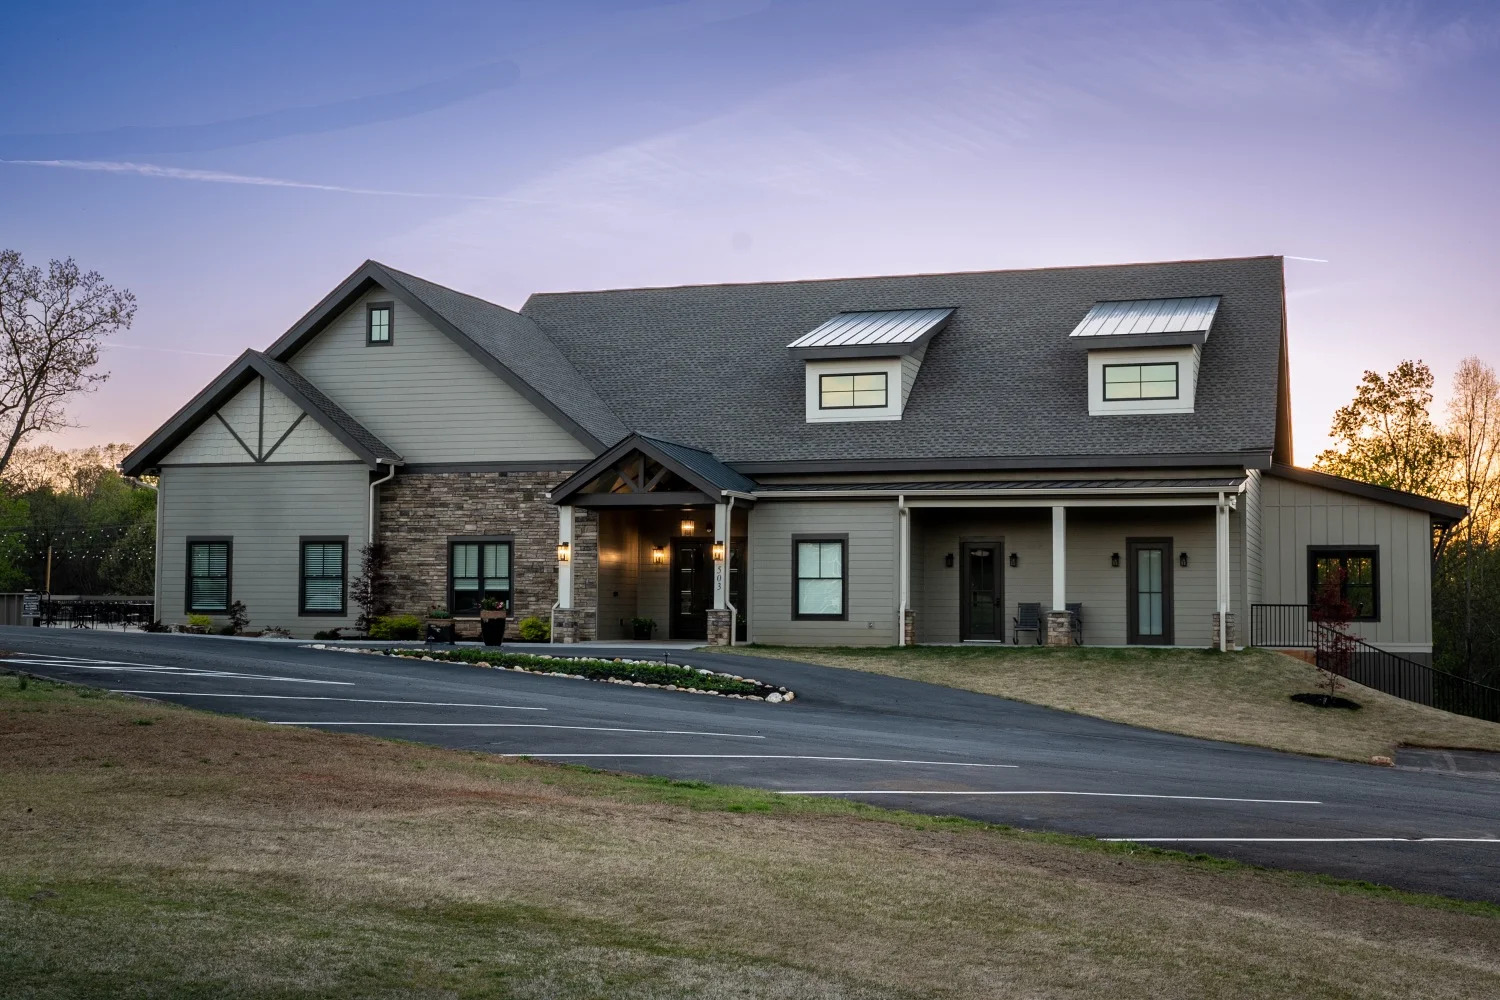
column 519, row 725
column 1101, row 795
column 1301, row 840
column 754, row 756
column 119, row 666
column 310, row 697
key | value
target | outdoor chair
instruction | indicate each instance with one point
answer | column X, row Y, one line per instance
column 1028, row 618
column 1075, row 622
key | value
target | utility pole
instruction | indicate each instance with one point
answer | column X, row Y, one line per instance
column 47, row 584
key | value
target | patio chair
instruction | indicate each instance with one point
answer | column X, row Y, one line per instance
column 1028, row 618
column 1075, row 622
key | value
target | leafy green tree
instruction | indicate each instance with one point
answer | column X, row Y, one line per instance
column 1386, row 435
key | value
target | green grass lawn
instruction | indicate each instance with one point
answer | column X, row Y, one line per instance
column 155, row 851
column 1240, row 697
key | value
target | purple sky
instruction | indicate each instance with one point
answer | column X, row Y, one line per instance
column 231, row 165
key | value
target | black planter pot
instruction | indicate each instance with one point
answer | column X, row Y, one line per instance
column 492, row 630
column 642, row 632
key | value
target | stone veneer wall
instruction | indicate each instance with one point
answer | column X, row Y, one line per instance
column 420, row 512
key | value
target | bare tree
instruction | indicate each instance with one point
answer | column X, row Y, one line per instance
column 51, row 327
column 1474, row 425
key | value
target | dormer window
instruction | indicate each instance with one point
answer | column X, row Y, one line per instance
column 855, row 391
column 1140, row 381
column 378, row 325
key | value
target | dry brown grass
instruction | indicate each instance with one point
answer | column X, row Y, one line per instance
column 1239, row 697
column 200, row 855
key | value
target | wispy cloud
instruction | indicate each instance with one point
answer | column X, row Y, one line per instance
column 222, row 177
column 165, row 350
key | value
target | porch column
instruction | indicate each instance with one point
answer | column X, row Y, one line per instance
column 1223, row 621
column 564, row 618
column 1059, row 628
column 905, row 621
column 719, row 624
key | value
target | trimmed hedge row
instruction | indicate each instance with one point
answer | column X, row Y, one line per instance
column 627, row 671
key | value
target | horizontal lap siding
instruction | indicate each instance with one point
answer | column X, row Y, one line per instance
column 265, row 510
column 1297, row 515
column 873, row 599
column 1026, row 533
column 426, row 396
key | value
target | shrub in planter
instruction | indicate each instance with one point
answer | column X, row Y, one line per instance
column 390, row 627
column 641, row 628
column 491, row 622
column 534, row 629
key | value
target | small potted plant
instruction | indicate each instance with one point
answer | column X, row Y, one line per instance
column 491, row 622
column 641, row 628
column 440, row 625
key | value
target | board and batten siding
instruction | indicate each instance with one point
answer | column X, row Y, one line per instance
column 265, row 509
column 259, row 423
column 426, row 396
column 1296, row 515
column 871, row 556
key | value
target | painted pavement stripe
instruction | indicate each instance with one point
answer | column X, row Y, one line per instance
column 756, row 756
column 516, row 725
column 1102, row 795
column 309, row 697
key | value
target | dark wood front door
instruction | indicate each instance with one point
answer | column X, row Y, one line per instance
column 692, row 588
column 1148, row 591
column 981, row 591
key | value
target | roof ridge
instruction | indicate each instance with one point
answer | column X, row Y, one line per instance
column 910, row 274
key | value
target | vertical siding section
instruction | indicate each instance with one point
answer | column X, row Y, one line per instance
column 1026, row 532
column 426, row 396
column 620, row 570
column 265, row 510
column 1297, row 515
column 872, row 566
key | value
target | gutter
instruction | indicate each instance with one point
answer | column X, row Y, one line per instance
column 370, row 524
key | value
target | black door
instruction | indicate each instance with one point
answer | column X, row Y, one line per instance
column 692, row 588
column 1148, row 591
column 981, row 592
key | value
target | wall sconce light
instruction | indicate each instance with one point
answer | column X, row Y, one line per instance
column 718, row 551
column 658, row 555
column 1114, row 559
column 1015, row 560
column 1182, row 560
column 564, row 551
column 687, row 527
column 948, row 560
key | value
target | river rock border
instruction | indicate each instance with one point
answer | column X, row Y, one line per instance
column 769, row 693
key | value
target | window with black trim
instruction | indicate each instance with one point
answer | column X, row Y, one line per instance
column 208, row 564
column 820, row 583
column 854, row 391
column 323, row 576
column 1156, row 381
column 1360, row 567
column 478, row 570
column 379, row 322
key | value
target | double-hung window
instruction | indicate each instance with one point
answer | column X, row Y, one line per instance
column 208, row 563
column 478, row 570
column 859, row 391
column 1141, row 381
column 1360, row 568
column 379, row 322
column 323, row 576
column 820, row 583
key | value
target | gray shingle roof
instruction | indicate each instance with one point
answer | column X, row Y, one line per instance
column 515, row 342
column 708, row 366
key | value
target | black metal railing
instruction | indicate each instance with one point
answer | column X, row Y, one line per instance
column 97, row 612
column 1282, row 626
column 1288, row 626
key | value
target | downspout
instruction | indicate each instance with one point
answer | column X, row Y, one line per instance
column 370, row 524
column 734, row 612
column 903, row 543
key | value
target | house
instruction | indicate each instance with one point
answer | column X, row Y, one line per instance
column 882, row 460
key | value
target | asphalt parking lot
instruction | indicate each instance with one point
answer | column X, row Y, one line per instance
column 883, row 740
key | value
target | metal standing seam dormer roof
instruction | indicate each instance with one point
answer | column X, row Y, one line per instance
column 878, row 333
column 1147, row 322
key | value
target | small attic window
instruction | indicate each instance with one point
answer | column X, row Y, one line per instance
column 854, row 391
column 378, row 324
column 1141, row 381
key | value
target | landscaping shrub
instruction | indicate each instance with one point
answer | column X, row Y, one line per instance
column 396, row 627
column 534, row 629
column 598, row 670
column 200, row 621
column 239, row 617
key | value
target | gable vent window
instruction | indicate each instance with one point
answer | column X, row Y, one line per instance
column 1140, row 381
column 860, row 391
column 378, row 322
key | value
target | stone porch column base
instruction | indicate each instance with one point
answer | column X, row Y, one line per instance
column 909, row 628
column 1230, row 637
column 565, row 625
column 1059, row 628
column 718, row 626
